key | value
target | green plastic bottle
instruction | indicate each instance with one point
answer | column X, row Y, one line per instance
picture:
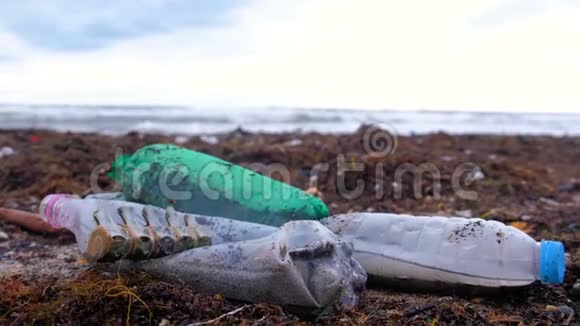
column 193, row 182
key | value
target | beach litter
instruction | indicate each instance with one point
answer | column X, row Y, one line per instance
column 194, row 182
column 6, row 151
column 452, row 251
column 458, row 250
column 390, row 247
column 300, row 264
column 109, row 230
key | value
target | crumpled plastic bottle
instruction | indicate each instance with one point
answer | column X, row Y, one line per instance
column 301, row 264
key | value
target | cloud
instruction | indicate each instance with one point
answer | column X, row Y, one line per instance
column 13, row 48
column 91, row 24
column 322, row 53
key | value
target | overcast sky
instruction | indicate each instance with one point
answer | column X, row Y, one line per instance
column 447, row 54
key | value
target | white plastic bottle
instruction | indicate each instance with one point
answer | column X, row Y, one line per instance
column 449, row 250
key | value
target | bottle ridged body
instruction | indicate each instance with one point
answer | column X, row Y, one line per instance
column 440, row 249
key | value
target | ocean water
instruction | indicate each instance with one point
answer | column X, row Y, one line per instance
column 191, row 121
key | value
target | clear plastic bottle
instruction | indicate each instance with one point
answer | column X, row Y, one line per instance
column 301, row 264
column 108, row 230
column 448, row 250
column 99, row 236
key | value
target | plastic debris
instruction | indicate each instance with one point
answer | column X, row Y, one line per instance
column 449, row 250
column 302, row 264
column 218, row 229
column 305, row 263
column 107, row 230
column 6, row 151
column 194, row 182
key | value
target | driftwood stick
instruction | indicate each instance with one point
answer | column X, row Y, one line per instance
column 26, row 220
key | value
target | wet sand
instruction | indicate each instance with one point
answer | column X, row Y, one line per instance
column 530, row 182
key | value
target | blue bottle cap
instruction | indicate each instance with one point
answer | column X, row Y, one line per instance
column 552, row 262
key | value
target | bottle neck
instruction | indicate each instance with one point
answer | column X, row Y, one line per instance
column 50, row 209
column 537, row 254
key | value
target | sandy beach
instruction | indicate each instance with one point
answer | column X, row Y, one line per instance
column 530, row 182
